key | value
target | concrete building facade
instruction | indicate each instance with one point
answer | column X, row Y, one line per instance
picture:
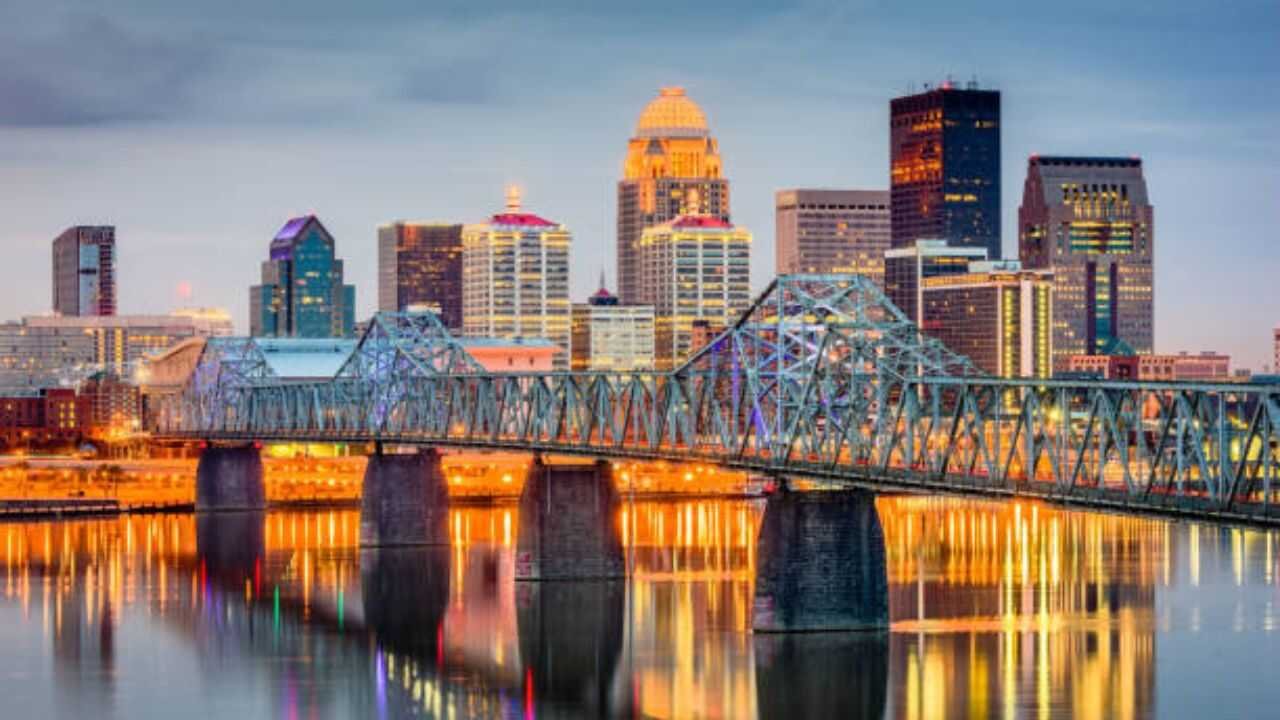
column 84, row 271
column 906, row 269
column 694, row 268
column 996, row 314
column 672, row 168
column 1090, row 222
column 608, row 336
column 832, row 231
column 516, row 278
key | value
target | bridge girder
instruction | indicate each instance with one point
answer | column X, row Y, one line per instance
column 821, row 377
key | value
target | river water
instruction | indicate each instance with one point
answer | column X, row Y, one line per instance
column 998, row 609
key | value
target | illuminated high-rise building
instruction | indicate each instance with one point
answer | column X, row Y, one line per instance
column 516, row 278
column 672, row 169
column 832, row 231
column 84, row 273
column 695, row 268
column 302, row 293
column 420, row 266
column 1088, row 220
column 944, row 167
column 906, row 270
column 608, row 336
column 996, row 314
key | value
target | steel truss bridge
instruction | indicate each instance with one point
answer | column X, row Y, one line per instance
column 821, row 378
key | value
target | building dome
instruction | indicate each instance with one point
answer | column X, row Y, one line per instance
column 672, row 114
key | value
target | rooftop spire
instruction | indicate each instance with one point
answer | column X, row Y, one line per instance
column 513, row 198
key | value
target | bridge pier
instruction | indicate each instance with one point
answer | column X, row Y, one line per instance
column 567, row 529
column 229, row 478
column 405, row 501
column 820, row 563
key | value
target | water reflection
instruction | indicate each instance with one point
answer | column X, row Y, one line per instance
column 998, row 610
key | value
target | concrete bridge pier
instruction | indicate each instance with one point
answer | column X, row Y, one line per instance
column 568, row 527
column 820, row 563
column 405, row 500
column 229, row 478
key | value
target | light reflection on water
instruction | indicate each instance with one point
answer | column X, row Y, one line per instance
column 999, row 609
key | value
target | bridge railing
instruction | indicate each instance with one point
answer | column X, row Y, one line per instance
column 1159, row 445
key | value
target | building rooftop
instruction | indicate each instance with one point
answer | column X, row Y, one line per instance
column 1085, row 161
column 700, row 221
column 488, row 342
column 521, row 219
column 671, row 114
column 305, row 358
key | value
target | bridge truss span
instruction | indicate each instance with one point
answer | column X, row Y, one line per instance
column 821, row 378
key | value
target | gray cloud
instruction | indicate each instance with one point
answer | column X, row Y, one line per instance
column 91, row 71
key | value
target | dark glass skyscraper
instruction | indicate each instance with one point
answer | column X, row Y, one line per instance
column 302, row 293
column 84, row 273
column 944, row 167
column 421, row 264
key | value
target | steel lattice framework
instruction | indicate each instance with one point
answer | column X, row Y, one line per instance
column 821, row 378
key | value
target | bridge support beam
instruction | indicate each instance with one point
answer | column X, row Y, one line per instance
column 820, row 563
column 567, row 524
column 405, row 501
column 229, row 479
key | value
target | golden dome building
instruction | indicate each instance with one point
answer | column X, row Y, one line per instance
column 672, row 169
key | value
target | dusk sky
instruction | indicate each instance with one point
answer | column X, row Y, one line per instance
column 198, row 131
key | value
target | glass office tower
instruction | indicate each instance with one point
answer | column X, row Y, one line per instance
column 944, row 167
column 302, row 293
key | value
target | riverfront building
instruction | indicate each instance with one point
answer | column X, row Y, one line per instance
column 1183, row 367
column 996, row 314
column 1089, row 221
column 672, row 168
column 43, row 351
column 610, row 336
column 516, row 278
column 944, row 167
column 420, row 266
column 832, row 231
column 84, row 271
column 302, row 293
column 694, row 268
column 907, row 268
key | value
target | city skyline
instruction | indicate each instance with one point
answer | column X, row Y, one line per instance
column 70, row 156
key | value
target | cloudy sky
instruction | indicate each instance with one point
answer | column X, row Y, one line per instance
column 198, row 130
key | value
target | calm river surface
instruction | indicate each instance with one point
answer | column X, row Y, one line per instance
column 999, row 610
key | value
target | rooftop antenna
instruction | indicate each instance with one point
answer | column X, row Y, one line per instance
column 973, row 82
column 602, row 285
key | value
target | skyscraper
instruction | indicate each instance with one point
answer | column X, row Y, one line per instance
column 996, row 314
column 1088, row 220
column 84, row 271
column 672, row 169
column 421, row 264
column 832, row 231
column 694, row 268
column 907, row 269
column 612, row 337
column 302, row 293
column 516, row 278
column 944, row 167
